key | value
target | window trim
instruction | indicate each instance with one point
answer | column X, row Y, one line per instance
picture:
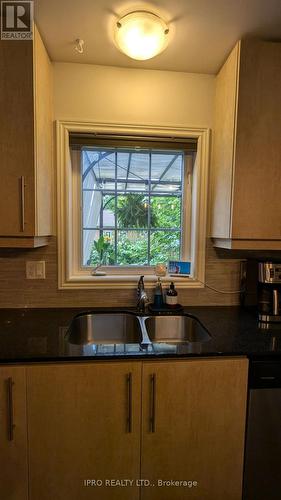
column 70, row 274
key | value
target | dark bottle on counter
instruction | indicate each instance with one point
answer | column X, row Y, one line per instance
column 158, row 295
column 172, row 296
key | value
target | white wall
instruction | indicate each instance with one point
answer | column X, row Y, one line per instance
column 108, row 94
column 96, row 93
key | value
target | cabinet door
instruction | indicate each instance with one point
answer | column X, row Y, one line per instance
column 13, row 434
column 16, row 139
column 84, row 424
column 223, row 145
column 257, row 177
column 193, row 428
column 43, row 128
column 16, row 205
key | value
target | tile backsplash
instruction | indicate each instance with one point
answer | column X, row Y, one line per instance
column 17, row 291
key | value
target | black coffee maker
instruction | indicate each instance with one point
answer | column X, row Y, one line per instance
column 269, row 292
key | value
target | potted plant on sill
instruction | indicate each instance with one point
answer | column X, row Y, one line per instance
column 102, row 247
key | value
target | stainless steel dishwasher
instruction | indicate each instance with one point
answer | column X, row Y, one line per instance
column 262, row 473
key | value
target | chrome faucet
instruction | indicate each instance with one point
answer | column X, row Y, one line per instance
column 142, row 296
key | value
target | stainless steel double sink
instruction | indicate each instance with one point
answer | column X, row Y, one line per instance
column 128, row 328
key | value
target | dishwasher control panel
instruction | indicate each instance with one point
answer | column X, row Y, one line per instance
column 265, row 374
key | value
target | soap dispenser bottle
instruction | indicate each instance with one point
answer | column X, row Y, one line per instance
column 172, row 296
column 158, row 295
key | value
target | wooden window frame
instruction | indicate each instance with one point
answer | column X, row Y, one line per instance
column 71, row 274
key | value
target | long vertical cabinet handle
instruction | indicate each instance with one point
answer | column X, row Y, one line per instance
column 129, row 419
column 152, row 417
column 22, row 200
column 10, row 406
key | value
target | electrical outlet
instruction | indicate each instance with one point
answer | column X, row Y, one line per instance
column 35, row 270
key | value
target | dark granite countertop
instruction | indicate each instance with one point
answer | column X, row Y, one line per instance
column 34, row 335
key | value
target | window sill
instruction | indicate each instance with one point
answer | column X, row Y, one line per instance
column 126, row 281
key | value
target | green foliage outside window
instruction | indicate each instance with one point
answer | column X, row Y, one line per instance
column 133, row 213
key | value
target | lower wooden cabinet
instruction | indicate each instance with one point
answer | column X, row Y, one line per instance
column 193, row 419
column 83, row 424
column 144, row 424
column 13, row 434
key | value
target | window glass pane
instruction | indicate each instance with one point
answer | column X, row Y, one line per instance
column 91, row 208
column 131, row 191
column 165, row 211
column 98, row 209
column 123, row 165
column 132, row 211
column 89, row 158
column 98, row 169
column 164, row 245
column 98, row 247
column 105, row 169
column 108, row 212
column 134, row 186
column 88, row 242
column 166, row 171
column 132, row 248
column 132, row 170
column 164, row 188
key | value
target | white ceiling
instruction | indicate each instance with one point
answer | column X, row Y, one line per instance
column 202, row 31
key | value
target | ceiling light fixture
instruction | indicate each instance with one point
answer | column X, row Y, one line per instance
column 141, row 35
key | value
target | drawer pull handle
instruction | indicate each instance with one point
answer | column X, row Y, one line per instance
column 129, row 379
column 22, row 199
column 10, row 406
column 152, row 418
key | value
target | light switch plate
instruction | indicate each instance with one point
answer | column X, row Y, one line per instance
column 35, row 269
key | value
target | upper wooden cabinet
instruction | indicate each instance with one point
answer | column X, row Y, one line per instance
column 246, row 163
column 25, row 143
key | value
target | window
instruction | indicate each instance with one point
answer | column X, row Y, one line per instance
column 133, row 205
column 129, row 197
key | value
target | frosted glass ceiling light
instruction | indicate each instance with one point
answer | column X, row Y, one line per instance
column 141, row 35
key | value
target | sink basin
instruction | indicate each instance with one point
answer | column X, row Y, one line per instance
column 175, row 329
column 126, row 328
column 109, row 328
